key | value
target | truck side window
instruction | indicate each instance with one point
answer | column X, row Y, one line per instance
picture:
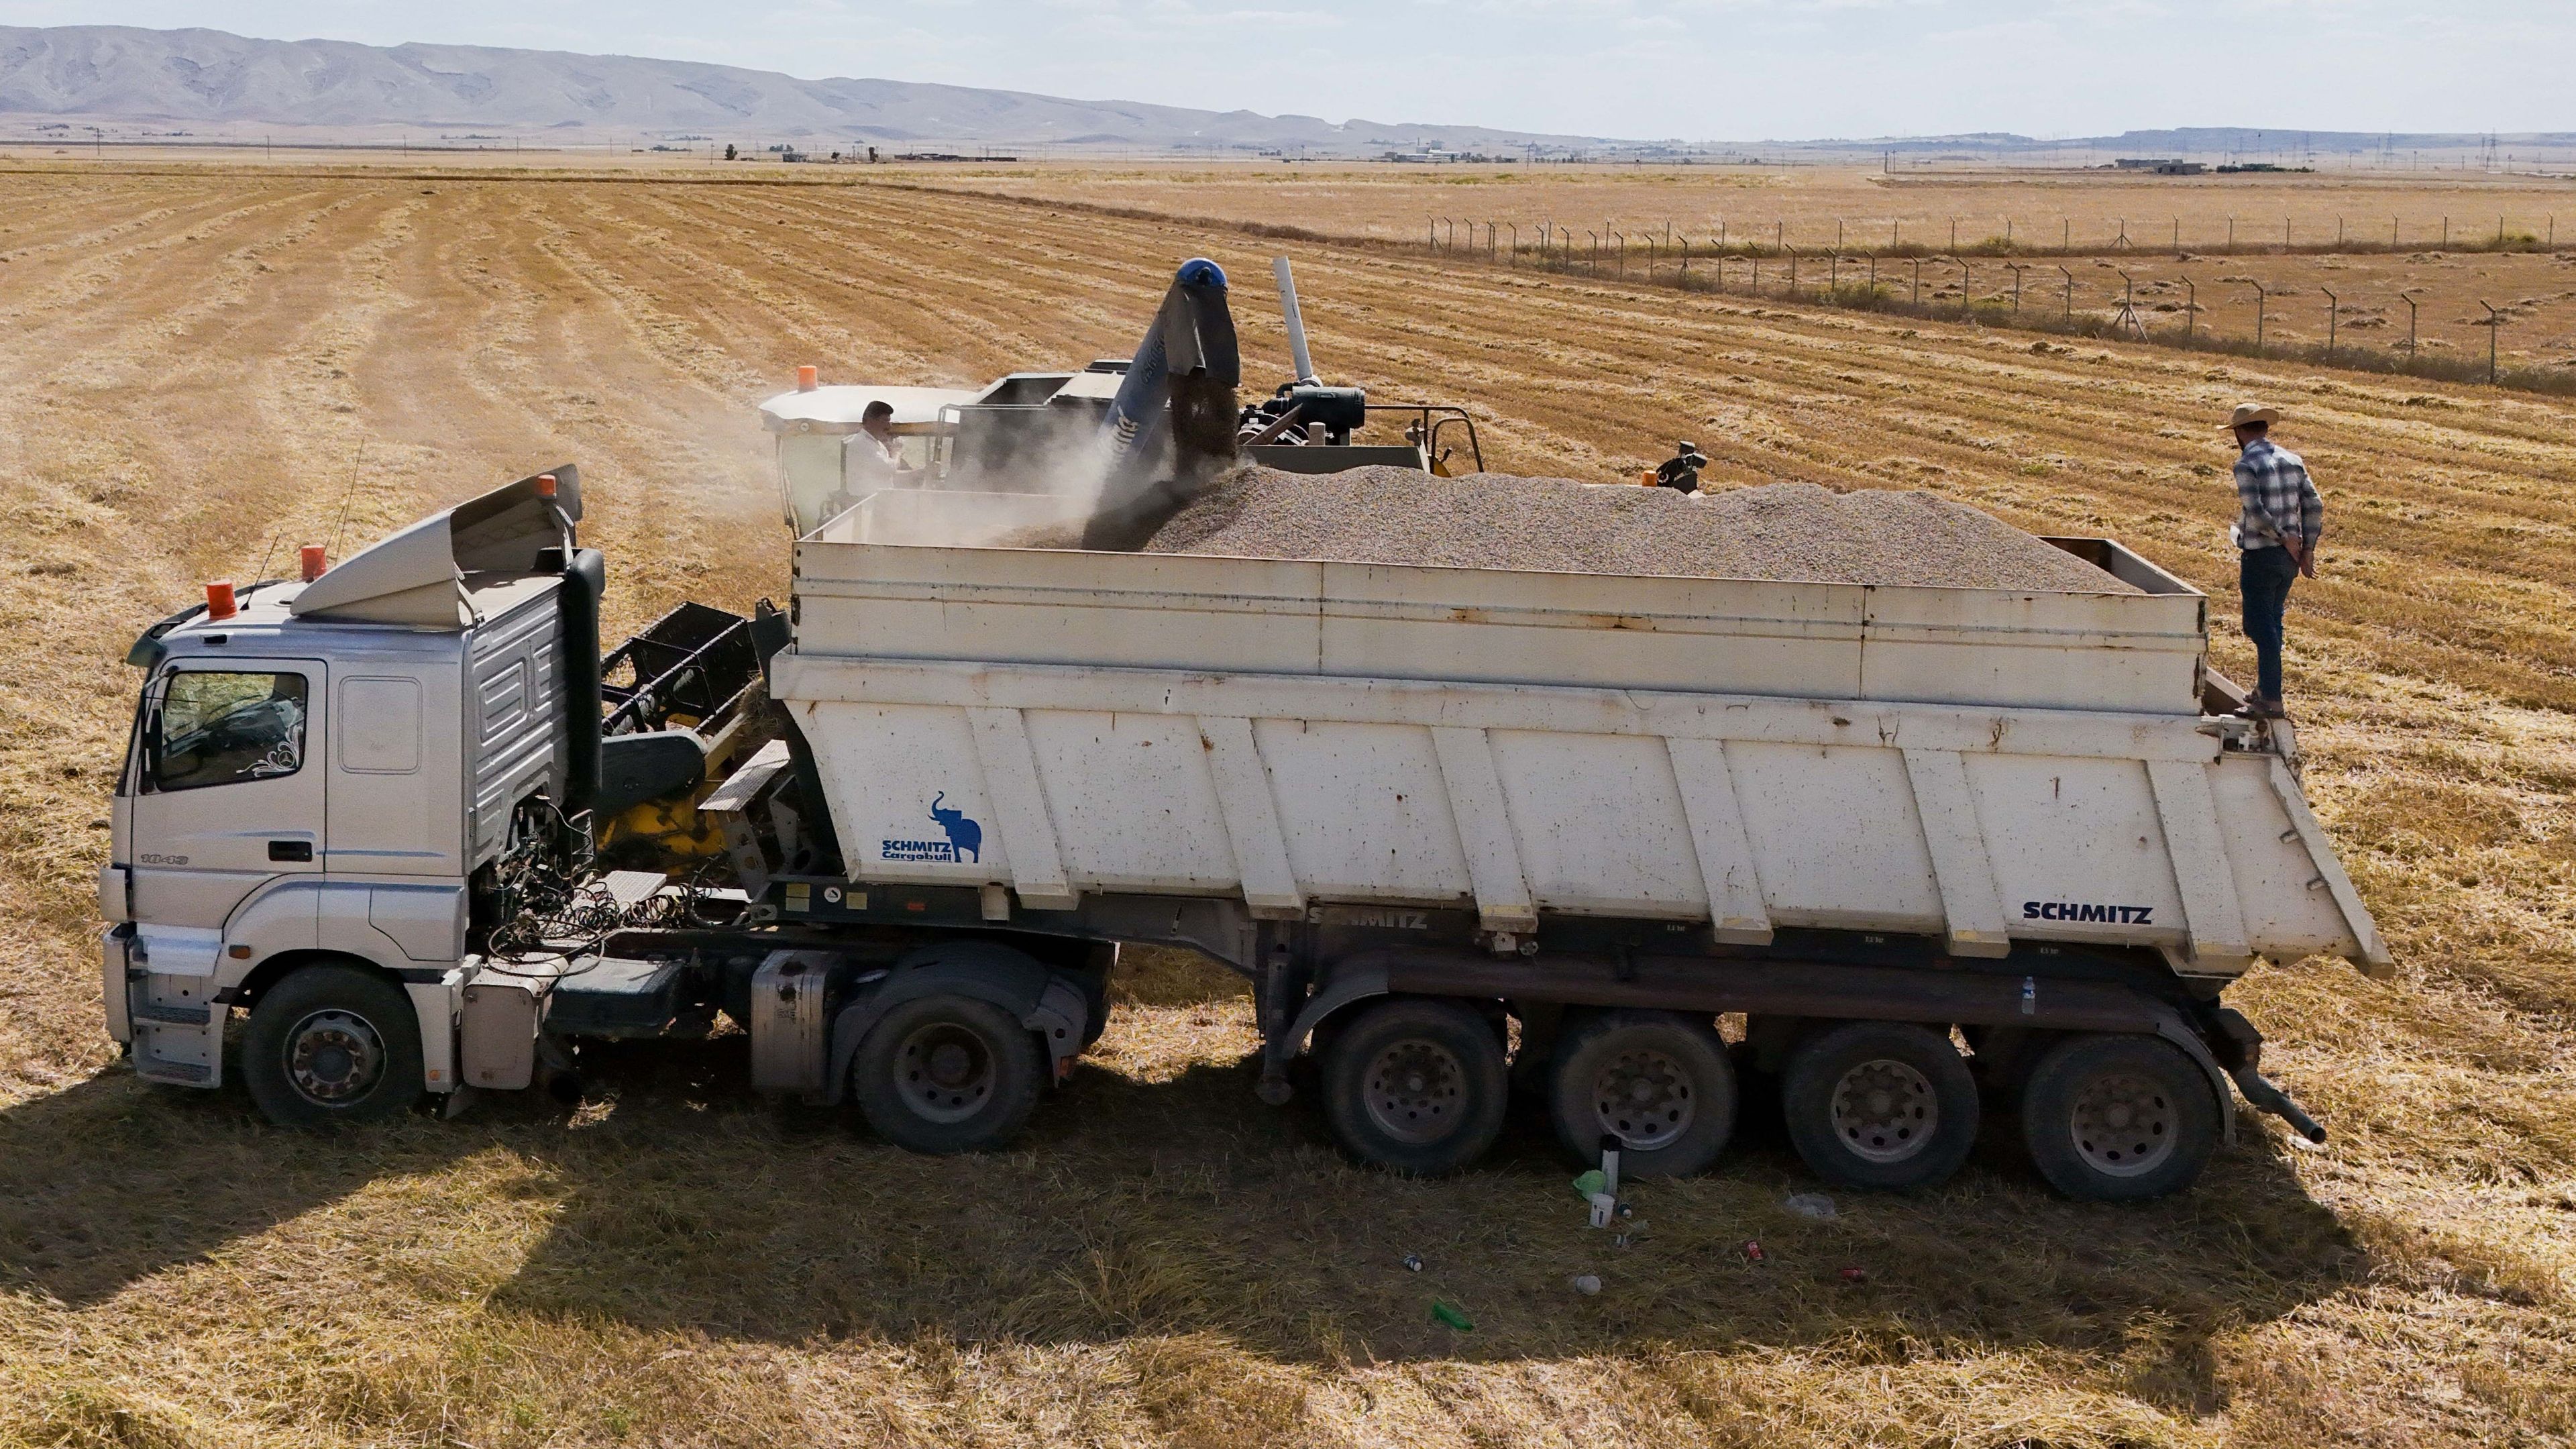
column 219, row 727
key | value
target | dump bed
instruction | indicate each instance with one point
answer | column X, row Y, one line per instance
column 1982, row 765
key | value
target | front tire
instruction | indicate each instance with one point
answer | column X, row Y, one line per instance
column 2118, row 1118
column 1416, row 1086
column 1657, row 1081
column 1880, row 1104
column 332, row 1044
column 947, row 1074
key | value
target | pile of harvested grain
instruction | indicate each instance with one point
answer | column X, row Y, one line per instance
column 1785, row 531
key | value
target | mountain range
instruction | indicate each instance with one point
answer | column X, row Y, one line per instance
column 180, row 83
column 211, row 78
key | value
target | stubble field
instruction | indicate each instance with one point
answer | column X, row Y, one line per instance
column 195, row 365
column 2372, row 238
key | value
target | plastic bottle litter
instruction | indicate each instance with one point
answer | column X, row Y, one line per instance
column 1752, row 1251
column 1412, row 1262
column 1590, row 1184
column 1603, row 1205
column 1811, row 1205
column 1855, row 1275
column 1585, row 1284
column 1451, row 1315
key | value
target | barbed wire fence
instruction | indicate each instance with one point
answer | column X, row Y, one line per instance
column 1717, row 263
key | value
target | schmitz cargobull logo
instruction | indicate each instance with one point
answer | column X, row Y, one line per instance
column 2087, row 911
column 965, row 840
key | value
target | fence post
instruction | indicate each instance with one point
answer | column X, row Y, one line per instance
column 1793, row 272
column 1435, row 233
column 2262, row 299
column 2190, row 305
column 1873, row 280
column 2333, row 306
column 1918, row 282
column 2070, row 294
column 2410, row 326
column 2493, row 322
column 1967, row 303
column 2016, row 270
column 2231, row 236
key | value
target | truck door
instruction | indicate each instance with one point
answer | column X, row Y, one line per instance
column 228, row 786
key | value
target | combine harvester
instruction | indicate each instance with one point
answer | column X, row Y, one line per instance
column 1939, row 849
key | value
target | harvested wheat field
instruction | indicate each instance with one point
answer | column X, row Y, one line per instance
column 196, row 364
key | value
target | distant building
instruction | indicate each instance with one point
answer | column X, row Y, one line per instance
column 2144, row 163
column 2180, row 168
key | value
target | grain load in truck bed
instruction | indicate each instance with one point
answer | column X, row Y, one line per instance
column 1792, row 532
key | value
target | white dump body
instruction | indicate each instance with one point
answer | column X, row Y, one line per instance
column 1984, row 765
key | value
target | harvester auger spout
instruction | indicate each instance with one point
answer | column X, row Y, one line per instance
column 1160, row 457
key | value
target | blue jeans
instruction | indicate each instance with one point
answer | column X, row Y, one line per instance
column 2265, row 576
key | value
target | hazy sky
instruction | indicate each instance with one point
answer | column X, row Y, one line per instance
column 1696, row 69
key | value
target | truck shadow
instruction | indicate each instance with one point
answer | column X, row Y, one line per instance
column 1181, row 1205
column 1171, row 1206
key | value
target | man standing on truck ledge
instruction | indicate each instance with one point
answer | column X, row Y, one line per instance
column 2279, row 522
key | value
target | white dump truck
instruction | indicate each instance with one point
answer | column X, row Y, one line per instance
column 1614, row 842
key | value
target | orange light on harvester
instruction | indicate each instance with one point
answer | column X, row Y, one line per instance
column 546, row 485
column 219, row 600
column 808, row 377
column 316, row 559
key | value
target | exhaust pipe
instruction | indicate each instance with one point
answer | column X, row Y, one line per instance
column 1296, row 321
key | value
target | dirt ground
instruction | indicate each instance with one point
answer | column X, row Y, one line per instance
column 201, row 369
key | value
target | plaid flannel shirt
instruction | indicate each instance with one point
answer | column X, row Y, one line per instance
column 2277, row 498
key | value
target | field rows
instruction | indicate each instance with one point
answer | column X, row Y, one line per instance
column 200, row 366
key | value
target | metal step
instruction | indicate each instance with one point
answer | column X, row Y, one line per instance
column 184, row 1073
column 171, row 1015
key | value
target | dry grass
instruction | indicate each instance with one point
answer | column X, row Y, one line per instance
column 190, row 364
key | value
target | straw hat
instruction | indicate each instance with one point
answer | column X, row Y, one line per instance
column 2247, row 412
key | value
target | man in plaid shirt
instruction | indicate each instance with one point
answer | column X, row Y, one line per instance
column 2280, row 519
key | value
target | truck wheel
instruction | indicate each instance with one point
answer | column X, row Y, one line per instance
column 1656, row 1080
column 1417, row 1086
column 332, row 1044
column 947, row 1074
column 1880, row 1104
column 2118, row 1118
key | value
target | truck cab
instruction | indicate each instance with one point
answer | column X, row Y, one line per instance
column 327, row 772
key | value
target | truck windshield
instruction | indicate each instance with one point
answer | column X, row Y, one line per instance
column 218, row 727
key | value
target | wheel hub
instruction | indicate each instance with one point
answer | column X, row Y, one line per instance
column 334, row 1057
column 2124, row 1125
column 944, row 1072
column 1414, row 1091
column 1885, row 1111
column 1643, row 1098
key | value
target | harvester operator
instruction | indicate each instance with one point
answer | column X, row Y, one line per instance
column 876, row 422
column 2280, row 520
